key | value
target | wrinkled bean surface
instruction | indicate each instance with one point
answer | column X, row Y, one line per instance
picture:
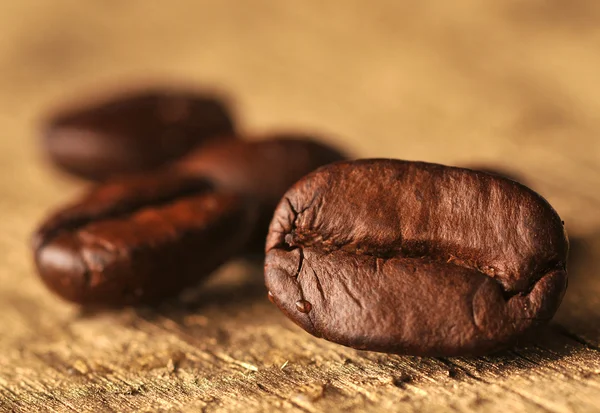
column 415, row 258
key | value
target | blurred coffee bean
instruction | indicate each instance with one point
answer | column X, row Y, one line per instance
column 132, row 132
column 140, row 239
column 262, row 169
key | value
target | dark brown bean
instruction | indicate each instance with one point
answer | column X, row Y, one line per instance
column 132, row 132
column 140, row 239
column 415, row 258
column 262, row 169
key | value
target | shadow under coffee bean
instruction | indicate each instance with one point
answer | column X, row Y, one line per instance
column 133, row 131
column 415, row 258
column 141, row 239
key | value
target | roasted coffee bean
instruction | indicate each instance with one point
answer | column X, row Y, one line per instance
column 132, row 132
column 415, row 258
column 140, row 239
column 262, row 169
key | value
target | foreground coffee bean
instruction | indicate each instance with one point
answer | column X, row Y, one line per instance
column 132, row 132
column 415, row 258
column 263, row 169
column 140, row 239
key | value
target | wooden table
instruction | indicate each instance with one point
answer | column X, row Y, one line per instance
column 512, row 84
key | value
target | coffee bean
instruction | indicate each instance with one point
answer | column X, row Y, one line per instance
column 415, row 258
column 262, row 169
column 132, row 132
column 140, row 239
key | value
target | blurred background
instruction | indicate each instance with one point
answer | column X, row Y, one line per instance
column 510, row 83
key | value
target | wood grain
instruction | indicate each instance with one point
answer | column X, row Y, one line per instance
column 510, row 84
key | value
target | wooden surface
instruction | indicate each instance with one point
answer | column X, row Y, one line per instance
column 506, row 83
